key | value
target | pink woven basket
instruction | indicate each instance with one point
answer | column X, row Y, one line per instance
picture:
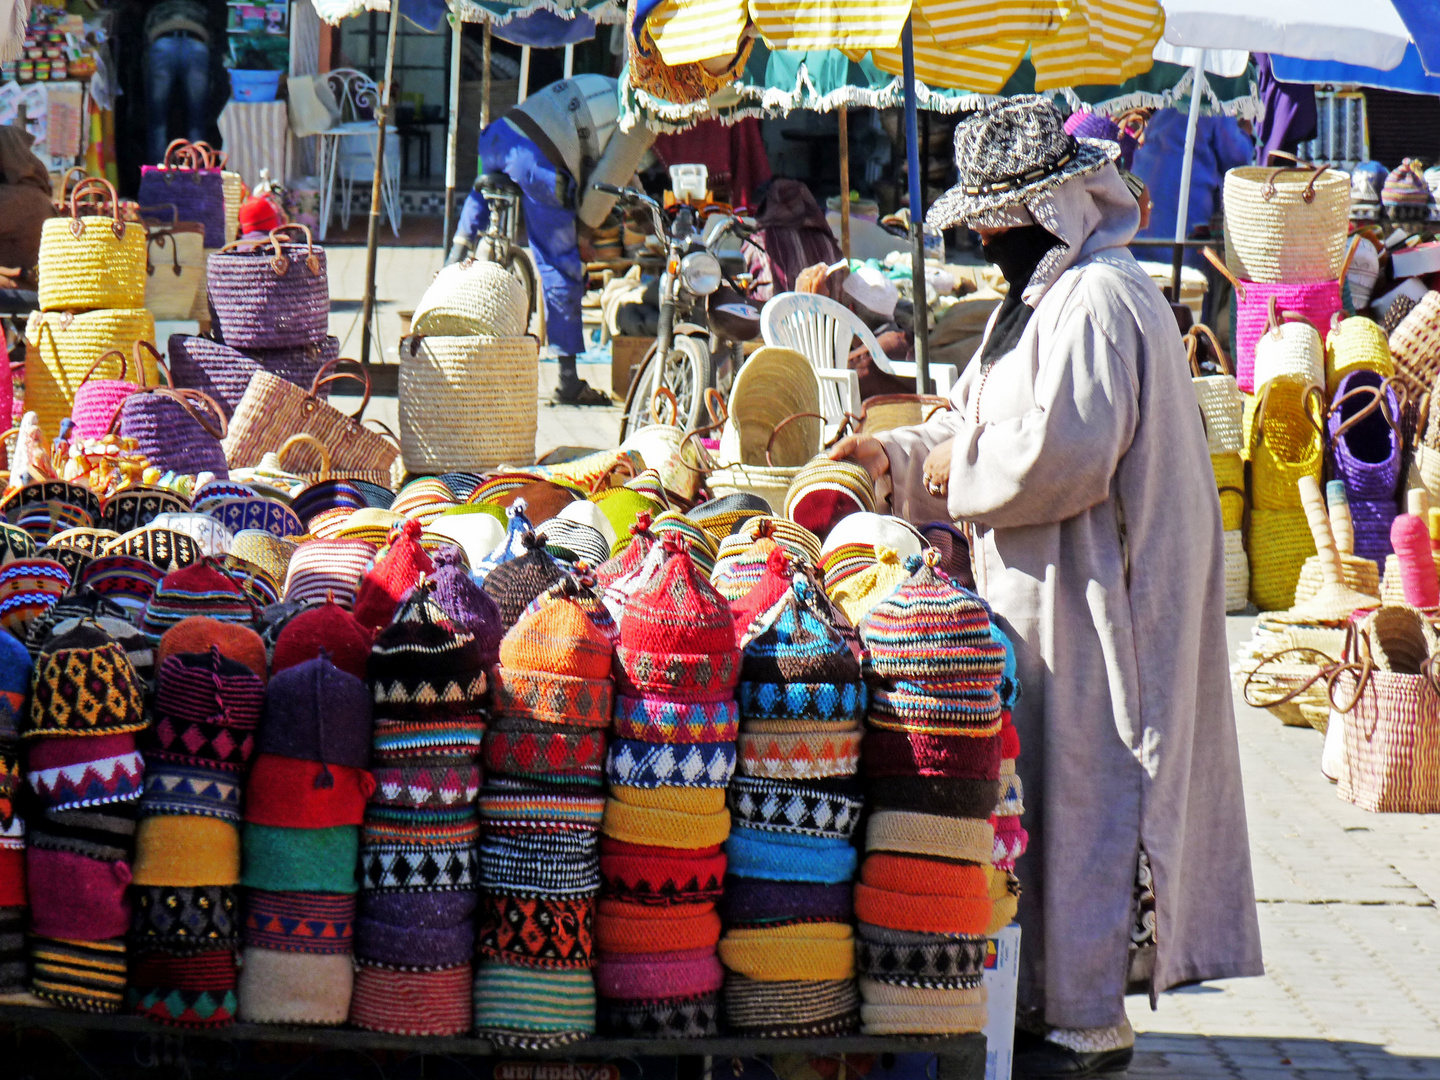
column 1317, row 301
column 96, row 400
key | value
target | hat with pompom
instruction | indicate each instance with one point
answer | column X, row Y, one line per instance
column 466, row 604
column 422, row 663
column 393, row 575
column 516, row 582
column 555, row 665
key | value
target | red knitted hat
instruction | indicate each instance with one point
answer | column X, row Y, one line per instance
column 1009, row 737
column 393, row 575
column 677, row 611
column 774, row 582
column 259, row 215
column 325, row 626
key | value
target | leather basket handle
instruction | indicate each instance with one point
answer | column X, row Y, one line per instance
column 124, row 367
column 327, row 374
column 95, row 183
column 303, row 439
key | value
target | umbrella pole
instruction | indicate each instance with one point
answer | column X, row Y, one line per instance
column 845, row 181
column 485, row 80
column 1187, row 164
column 524, row 73
column 917, row 217
column 452, row 134
column 372, row 237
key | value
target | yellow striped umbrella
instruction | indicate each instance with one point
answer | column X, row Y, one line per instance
column 966, row 44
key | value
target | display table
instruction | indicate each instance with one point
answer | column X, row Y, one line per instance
column 256, row 135
column 959, row 1058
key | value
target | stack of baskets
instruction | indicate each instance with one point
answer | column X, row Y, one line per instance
column 1285, row 254
column 774, row 426
column 1222, row 410
column 469, row 374
column 92, row 300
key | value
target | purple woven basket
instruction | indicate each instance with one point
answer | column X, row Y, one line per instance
column 269, row 295
column 223, row 371
column 176, row 430
column 1365, row 448
column 196, row 194
column 1372, row 520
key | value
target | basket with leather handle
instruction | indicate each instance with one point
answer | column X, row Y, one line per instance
column 60, row 347
column 1287, row 442
column 269, row 294
column 1290, row 345
column 1316, row 301
column 97, row 399
column 1221, row 404
column 1355, row 344
column 175, row 267
column 175, row 430
column 232, row 185
column 223, row 371
column 186, row 181
column 93, row 260
column 1286, row 223
column 272, row 410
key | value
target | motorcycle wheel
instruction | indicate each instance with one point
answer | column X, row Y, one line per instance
column 686, row 373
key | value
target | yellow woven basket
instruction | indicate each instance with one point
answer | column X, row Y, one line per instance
column 60, row 347
column 1355, row 344
column 1230, row 479
column 92, row 261
column 1285, row 442
column 1280, row 542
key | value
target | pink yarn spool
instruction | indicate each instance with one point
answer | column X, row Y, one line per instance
column 1410, row 536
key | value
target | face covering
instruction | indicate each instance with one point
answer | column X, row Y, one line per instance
column 1017, row 252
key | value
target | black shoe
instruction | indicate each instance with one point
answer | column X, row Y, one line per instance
column 1039, row 1059
column 582, row 394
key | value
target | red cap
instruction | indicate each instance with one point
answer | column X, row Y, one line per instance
column 259, row 215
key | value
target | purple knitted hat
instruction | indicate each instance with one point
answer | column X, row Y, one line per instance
column 466, row 604
column 414, row 947
column 316, row 712
column 423, row 909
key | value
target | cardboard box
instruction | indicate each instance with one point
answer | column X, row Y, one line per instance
column 1002, row 978
column 626, row 353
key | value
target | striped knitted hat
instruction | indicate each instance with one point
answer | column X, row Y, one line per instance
column 420, row 663
column 516, row 582
column 824, row 492
column 796, row 641
column 703, row 546
column 198, row 589
column 677, row 611
column 735, row 574
column 321, row 570
column 929, row 629
column 798, row 540
column 28, row 587
column 530, row 1008
column 719, row 516
column 629, row 553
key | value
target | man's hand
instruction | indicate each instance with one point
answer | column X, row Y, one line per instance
column 937, row 469
column 866, row 451
column 9, row 276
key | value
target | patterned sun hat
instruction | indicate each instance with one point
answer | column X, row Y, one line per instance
column 1011, row 151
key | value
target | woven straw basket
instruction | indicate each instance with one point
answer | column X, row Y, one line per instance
column 1279, row 544
column 468, row 403
column 1286, row 443
column 1392, row 741
column 95, row 261
column 1355, row 344
column 1415, row 347
column 479, row 299
column 231, row 183
column 269, row 295
column 1427, row 469
column 60, row 347
column 770, row 484
column 1290, row 345
column 1221, row 405
column 1392, row 588
column 1237, row 572
column 1362, row 575
column 774, row 384
column 1230, row 480
column 1286, row 224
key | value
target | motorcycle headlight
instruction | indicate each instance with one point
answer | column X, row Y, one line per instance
column 700, row 272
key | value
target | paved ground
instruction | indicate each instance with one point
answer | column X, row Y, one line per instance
column 1347, row 899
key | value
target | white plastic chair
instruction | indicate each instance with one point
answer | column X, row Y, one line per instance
column 824, row 331
column 347, row 150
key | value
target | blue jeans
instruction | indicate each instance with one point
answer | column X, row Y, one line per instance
column 177, row 61
column 549, row 223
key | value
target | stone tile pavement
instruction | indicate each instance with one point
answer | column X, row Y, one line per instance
column 1350, row 928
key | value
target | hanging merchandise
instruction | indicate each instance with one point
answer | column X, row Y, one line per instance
column 92, row 261
column 1286, row 224
column 185, row 186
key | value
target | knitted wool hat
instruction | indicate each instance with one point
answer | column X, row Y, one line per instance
column 206, row 711
column 421, row 664
column 466, row 604
column 194, row 991
column 719, row 516
column 526, row 1008
column 93, row 771
column 629, row 553
column 323, row 628
column 858, row 593
column 84, row 685
column 412, row 1002
column 392, row 576
column 678, row 610
column 558, row 638
column 824, row 491
column 84, row 975
column 281, row 859
column 327, row 495
column 511, row 547
column 295, row 987
column 187, row 850
column 27, row 588
column 798, row 540
column 328, row 570
column 875, row 530
column 579, row 588
column 694, row 1017
column 197, row 589
column 316, row 712
column 656, row 976
column 200, row 633
column 928, row 629
column 15, row 543
column 83, row 602
column 424, row 499
column 573, row 542
column 791, row 1008
column 623, row 508
column 703, row 547
column 795, row 641
column 76, row 898
column 371, row 525
column 736, row 575
column 305, row 922
column 15, row 673
column 184, row 920
column 519, row 580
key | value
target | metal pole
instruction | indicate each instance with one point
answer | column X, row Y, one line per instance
column 524, row 73
column 1187, row 163
column 845, row 181
column 485, row 79
column 372, row 238
column 569, row 60
column 917, row 217
column 452, row 133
